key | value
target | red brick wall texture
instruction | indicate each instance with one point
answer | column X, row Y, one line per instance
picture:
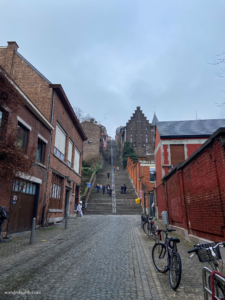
column 194, row 195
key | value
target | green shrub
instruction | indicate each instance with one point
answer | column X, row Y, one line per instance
column 128, row 151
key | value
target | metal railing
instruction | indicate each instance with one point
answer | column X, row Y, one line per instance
column 206, row 288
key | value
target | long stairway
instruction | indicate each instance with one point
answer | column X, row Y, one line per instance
column 125, row 203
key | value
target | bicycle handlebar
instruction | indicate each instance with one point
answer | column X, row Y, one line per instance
column 197, row 247
column 193, row 250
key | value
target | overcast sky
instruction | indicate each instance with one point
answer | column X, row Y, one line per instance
column 111, row 56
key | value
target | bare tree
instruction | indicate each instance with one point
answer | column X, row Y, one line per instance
column 81, row 114
column 220, row 60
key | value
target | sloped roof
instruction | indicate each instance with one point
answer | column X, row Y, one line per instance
column 29, row 64
column 190, row 128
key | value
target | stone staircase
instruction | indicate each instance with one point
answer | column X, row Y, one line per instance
column 125, row 203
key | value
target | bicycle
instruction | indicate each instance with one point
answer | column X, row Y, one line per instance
column 166, row 258
column 211, row 253
column 150, row 228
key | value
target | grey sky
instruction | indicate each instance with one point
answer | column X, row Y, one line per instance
column 113, row 55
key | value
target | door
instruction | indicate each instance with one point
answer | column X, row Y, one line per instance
column 22, row 206
column 21, row 212
column 76, row 196
column 66, row 206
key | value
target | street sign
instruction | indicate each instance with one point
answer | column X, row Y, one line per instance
column 89, row 184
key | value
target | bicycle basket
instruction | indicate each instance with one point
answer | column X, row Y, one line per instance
column 205, row 255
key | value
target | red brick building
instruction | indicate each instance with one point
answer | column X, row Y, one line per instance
column 24, row 199
column 175, row 141
column 193, row 193
column 66, row 140
column 141, row 174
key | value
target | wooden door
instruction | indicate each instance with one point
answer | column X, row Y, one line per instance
column 177, row 154
column 21, row 213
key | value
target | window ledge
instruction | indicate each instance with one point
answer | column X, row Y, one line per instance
column 41, row 165
column 60, row 159
column 152, row 181
column 73, row 171
column 55, row 210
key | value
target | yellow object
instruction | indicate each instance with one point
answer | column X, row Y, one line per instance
column 138, row 200
column 43, row 240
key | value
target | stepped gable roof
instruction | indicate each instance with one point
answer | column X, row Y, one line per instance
column 133, row 115
column 155, row 119
column 190, row 128
column 29, row 64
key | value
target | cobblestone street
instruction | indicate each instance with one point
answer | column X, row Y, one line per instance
column 98, row 257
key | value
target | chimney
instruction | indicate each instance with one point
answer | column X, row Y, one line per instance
column 12, row 47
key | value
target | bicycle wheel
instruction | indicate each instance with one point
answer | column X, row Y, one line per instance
column 175, row 270
column 159, row 257
column 147, row 228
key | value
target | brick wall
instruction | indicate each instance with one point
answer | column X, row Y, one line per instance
column 92, row 131
column 136, row 171
column 195, row 191
column 37, row 171
column 30, row 82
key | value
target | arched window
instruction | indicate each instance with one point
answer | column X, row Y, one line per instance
column 146, row 150
column 146, row 127
column 131, row 127
column 146, row 138
column 131, row 137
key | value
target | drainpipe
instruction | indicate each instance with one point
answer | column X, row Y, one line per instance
column 49, row 152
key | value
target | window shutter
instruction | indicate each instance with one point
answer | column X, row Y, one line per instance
column 177, row 154
column 70, row 151
column 60, row 139
column 77, row 161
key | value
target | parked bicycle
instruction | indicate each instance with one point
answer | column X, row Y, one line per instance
column 150, row 228
column 211, row 253
column 166, row 258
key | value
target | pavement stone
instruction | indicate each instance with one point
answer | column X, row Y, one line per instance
column 97, row 257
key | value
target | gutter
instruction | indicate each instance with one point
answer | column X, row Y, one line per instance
column 49, row 152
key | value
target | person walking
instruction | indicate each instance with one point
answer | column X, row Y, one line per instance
column 114, row 168
column 121, row 189
column 108, row 174
column 118, row 168
column 79, row 209
column 109, row 189
column 103, row 189
column 110, row 192
column 124, row 188
column 98, row 187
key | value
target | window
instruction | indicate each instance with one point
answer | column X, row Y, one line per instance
column 131, row 137
column 56, row 186
column 177, row 154
column 146, row 150
column 60, row 142
column 152, row 173
column 40, row 155
column 70, row 151
column 131, row 127
column 146, row 127
column 22, row 136
column 146, row 138
column 77, row 161
column 3, row 121
column 23, row 186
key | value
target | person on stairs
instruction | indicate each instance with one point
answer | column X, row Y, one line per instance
column 114, row 168
column 121, row 190
column 118, row 168
column 108, row 174
column 124, row 188
column 109, row 188
column 103, row 189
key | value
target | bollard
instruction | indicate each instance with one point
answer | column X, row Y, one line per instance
column 32, row 235
column 141, row 220
column 66, row 223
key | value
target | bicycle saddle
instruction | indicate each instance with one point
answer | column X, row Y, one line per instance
column 150, row 218
column 175, row 240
